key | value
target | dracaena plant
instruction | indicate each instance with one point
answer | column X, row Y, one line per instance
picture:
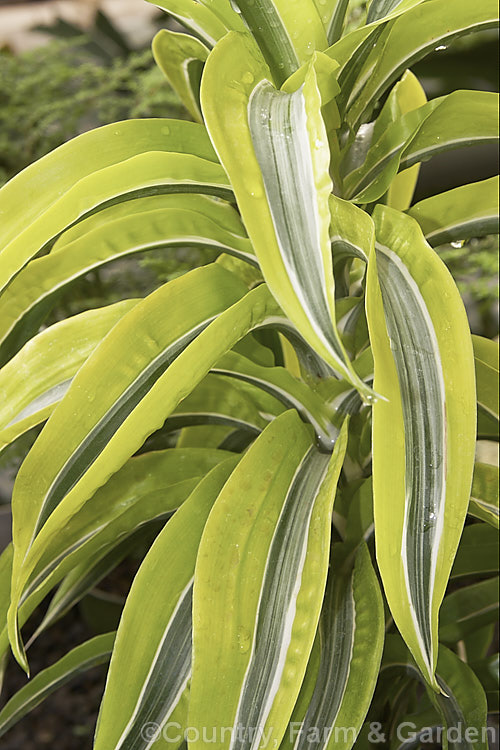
column 320, row 379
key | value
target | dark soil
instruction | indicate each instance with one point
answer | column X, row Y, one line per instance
column 66, row 719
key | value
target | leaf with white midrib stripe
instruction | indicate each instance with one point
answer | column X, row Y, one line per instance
column 90, row 447
column 278, row 596
column 424, row 434
column 351, row 636
column 255, row 662
column 151, row 663
column 416, row 353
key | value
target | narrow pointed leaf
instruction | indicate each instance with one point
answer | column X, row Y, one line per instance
column 134, row 232
column 273, row 541
column 351, row 637
column 459, row 214
column 463, row 118
column 286, row 388
column 411, row 37
column 287, row 32
column 424, row 433
column 147, row 489
column 151, row 662
column 37, row 378
column 24, row 233
column 181, row 58
column 461, row 704
column 146, row 411
column 90, row 654
column 246, row 118
column 208, row 20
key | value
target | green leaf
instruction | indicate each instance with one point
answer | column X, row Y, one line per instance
column 459, row 214
column 110, row 163
column 75, row 474
column 406, row 96
column 151, row 662
column 39, row 375
column 334, row 19
column 351, row 636
column 148, row 224
column 477, row 554
column 284, row 208
column 273, row 542
column 89, row 654
column 461, row 703
column 287, row 32
column 487, row 374
column 379, row 9
column 463, row 118
column 147, row 489
column 208, row 20
column 409, row 38
column 290, row 391
column 216, row 401
column 181, row 58
column 484, row 501
column 424, row 433
column 468, row 609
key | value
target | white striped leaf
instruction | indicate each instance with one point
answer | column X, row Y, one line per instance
column 351, row 637
column 459, row 214
column 147, row 489
column 170, row 360
column 215, row 401
column 484, row 500
column 208, row 20
column 463, row 118
column 254, row 628
column 287, row 32
column 409, row 38
column 274, row 147
column 181, row 57
column 90, row 654
column 290, row 391
column 424, row 432
column 151, row 663
column 71, row 190
column 39, row 375
column 32, row 293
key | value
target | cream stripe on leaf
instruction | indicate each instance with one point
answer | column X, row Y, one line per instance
column 37, row 377
column 424, row 433
column 351, row 636
column 130, row 401
column 274, row 147
column 459, row 214
column 151, row 663
column 273, row 543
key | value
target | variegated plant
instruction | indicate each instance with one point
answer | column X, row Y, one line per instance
column 320, row 379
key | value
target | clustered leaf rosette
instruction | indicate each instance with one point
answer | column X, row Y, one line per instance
column 317, row 386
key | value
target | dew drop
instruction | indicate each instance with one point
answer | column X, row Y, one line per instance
column 244, row 639
column 248, row 78
column 457, row 244
column 440, row 48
